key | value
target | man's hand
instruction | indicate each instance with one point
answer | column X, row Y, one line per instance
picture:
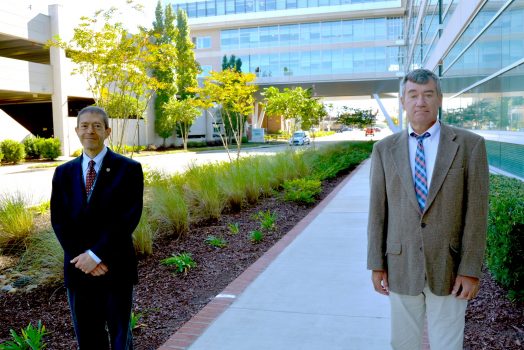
column 466, row 287
column 380, row 281
column 84, row 262
column 100, row 270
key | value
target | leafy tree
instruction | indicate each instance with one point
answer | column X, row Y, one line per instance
column 187, row 67
column 234, row 92
column 164, row 33
column 115, row 62
column 232, row 63
column 183, row 113
column 356, row 117
column 296, row 105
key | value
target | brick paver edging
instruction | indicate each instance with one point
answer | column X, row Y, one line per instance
column 192, row 329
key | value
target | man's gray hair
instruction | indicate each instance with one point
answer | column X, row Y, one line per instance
column 95, row 110
column 421, row 76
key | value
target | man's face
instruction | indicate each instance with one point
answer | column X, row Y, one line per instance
column 421, row 103
column 92, row 132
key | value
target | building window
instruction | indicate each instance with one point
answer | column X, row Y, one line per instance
column 211, row 8
column 203, row 42
column 230, row 7
column 240, row 6
column 191, row 9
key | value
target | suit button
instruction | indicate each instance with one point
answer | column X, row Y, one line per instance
column 423, row 225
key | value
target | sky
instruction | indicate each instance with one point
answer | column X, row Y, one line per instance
column 74, row 9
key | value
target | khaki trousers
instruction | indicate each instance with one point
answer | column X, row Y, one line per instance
column 445, row 317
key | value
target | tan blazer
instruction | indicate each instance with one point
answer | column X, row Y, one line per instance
column 449, row 238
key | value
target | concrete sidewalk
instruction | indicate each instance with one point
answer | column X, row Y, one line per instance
column 310, row 291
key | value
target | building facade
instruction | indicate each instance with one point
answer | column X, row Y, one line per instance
column 337, row 48
column 304, row 41
column 477, row 47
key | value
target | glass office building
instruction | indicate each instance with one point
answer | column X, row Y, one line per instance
column 300, row 41
column 195, row 9
column 477, row 47
column 340, row 46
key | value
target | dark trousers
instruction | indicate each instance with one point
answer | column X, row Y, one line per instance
column 97, row 311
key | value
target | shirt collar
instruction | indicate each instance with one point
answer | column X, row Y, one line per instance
column 98, row 159
column 433, row 131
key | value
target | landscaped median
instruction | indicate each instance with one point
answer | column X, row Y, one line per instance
column 209, row 223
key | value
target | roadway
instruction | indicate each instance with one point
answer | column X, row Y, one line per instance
column 35, row 184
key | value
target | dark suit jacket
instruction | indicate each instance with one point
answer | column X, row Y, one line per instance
column 105, row 224
column 449, row 237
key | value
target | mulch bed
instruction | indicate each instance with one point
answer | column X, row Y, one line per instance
column 167, row 300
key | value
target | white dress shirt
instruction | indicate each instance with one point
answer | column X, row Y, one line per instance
column 85, row 165
column 430, row 144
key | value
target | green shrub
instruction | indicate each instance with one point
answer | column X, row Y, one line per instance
column 302, row 190
column 330, row 161
column 169, row 208
column 183, row 262
column 155, row 177
column 42, row 208
column 135, row 318
column 256, row 236
column 505, row 242
column 16, row 222
column 43, row 256
column 144, row 235
column 31, row 147
column 132, row 149
column 1, row 156
column 233, row 228
column 286, row 166
column 267, row 219
column 13, row 151
column 30, row 339
column 215, row 241
column 203, row 191
column 49, row 148
column 196, row 144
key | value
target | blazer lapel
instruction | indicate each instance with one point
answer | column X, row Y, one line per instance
column 447, row 149
column 79, row 188
column 400, row 156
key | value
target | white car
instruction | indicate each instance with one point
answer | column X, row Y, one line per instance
column 299, row 138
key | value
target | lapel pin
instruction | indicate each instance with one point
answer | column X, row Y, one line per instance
column 108, row 170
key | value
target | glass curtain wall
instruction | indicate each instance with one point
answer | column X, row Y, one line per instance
column 227, row 7
column 483, row 78
column 317, row 48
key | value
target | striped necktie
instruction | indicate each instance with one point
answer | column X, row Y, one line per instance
column 90, row 177
column 421, row 178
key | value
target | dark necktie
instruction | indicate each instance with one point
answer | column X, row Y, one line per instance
column 90, row 177
column 421, row 178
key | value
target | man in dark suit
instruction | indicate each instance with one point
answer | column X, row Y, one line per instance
column 427, row 220
column 96, row 204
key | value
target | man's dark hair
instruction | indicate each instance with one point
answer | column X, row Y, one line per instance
column 95, row 110
column 421, row 76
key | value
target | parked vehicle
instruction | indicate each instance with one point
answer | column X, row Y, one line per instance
column 299, row 138
column 370, row 132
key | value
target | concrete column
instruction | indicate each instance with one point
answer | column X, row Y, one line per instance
column 254, row 119
column 209, row 125
column 150, row 133
column 60, row 74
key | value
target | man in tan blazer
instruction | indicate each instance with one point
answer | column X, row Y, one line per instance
column 427, row 220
